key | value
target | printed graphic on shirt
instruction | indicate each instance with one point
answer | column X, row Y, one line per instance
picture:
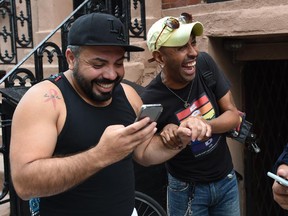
column 200, row 107
column 34, row 206
column 56, row 77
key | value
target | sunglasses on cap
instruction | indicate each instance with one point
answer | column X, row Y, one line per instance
column 172, row 23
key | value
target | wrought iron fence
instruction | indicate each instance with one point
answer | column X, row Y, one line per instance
column 16, row 25
column 131, row 13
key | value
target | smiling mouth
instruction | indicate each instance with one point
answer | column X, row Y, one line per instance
column 105, row 85
column 190, row 64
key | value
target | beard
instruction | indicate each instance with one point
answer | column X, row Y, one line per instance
column 87, row 86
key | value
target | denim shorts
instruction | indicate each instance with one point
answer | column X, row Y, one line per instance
column 220, row 198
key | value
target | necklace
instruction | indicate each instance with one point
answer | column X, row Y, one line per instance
column 186, row 104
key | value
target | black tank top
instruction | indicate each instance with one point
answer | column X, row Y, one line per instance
column 110, row 191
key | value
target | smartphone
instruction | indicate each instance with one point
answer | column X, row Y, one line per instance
column 279, row 179
column 153, row 111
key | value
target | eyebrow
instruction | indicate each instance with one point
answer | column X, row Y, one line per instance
column 104, row 60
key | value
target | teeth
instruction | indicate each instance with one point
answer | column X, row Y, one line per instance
column 105, row 85
column 191, row 64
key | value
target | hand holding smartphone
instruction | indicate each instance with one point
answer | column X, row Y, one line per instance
column 279, row 179
column 152, row 111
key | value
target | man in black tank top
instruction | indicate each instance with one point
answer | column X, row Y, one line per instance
column 74, row 134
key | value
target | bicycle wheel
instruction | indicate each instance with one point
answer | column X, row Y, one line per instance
column 147, row 206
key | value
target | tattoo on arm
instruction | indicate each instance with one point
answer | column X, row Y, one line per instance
column 52, row 96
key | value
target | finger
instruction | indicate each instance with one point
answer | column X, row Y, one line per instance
column 183, row 131
column 163, row 139
column 166, row 142
column 279, row 189
column 146, row 136
column 195, row 131
column 282, row 172
column 167, row 138
column 135, row 134
column 209, row 130
column 146, row 132
column 170, row 142
column 174, row 138
column 136, row 126
column 170, row 134
column 202, row 133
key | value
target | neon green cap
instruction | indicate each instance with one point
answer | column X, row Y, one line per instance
column 171, row 37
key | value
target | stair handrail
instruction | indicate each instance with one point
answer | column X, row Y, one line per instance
column 43, row 41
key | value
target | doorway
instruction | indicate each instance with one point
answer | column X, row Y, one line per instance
column 265, row 100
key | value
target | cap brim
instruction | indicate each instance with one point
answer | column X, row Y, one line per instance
column 128, row 48
column 180, row 36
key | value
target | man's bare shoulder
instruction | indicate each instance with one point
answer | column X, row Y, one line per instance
column 132, row 97
column 43, row 95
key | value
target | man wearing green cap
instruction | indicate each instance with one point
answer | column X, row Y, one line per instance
column 201, row 179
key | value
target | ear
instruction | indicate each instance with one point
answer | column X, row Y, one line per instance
column 70, row 59
column 158, row 57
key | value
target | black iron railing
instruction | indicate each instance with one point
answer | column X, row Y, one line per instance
column 11, row 41
column 16, row 25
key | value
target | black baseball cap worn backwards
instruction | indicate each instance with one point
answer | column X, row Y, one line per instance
column 99, row 29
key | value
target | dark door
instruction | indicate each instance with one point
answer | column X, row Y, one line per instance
column 265, row 91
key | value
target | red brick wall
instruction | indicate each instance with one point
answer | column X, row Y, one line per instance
column 178, row 3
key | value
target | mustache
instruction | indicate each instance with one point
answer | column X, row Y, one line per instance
column 108, row 81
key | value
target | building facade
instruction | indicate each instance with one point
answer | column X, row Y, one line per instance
column 249, row 41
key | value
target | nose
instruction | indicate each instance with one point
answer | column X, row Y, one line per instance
column 110, row 73
column 192, row 49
